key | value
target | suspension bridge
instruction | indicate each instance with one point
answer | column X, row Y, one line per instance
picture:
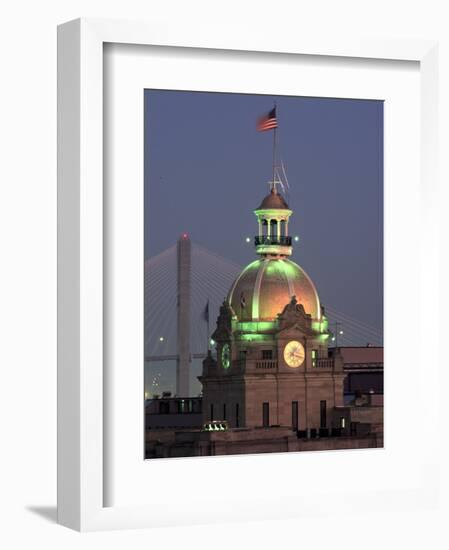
column 179, row 283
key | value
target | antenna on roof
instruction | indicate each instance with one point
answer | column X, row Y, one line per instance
column 279, row 179
column 269, row 122
column 284, row 173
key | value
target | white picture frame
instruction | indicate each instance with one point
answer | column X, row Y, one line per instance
column 81, row 399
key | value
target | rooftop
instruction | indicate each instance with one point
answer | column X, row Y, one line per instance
column 273, row 200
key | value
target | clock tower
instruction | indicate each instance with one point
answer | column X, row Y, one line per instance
column 272, row 366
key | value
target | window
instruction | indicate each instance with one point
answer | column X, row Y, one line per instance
column 211, row 411
column 264, row 227
column 267, row 354
column 323, row 420
column 237, row 419
column 164, row 407
column 342, row 422
column 283, row 229
column 295, row 415
column 224, row 411
column 265, row 415
column 314, row 357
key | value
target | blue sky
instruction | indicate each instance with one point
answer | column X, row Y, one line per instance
column 207, row 168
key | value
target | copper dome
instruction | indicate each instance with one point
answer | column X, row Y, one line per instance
column 265, row 286
column 273, row 200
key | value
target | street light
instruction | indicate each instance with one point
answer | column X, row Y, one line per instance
column 161, row 339
column 338, row 332
column 248, row 240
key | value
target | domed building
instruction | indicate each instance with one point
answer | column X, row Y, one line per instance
column 264, row 287
column 272, row 366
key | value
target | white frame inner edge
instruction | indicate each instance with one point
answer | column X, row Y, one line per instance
column 81, row 490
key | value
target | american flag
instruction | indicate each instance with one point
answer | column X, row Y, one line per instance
column 267, row 122
column 206, row 312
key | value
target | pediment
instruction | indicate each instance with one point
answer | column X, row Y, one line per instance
column 294, row 314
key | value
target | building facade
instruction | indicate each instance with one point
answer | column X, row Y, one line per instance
column 272, row 364
column 272, row 379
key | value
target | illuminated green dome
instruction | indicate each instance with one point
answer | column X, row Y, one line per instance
column 266, row 285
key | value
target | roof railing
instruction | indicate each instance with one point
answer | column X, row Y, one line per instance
column 265, row 240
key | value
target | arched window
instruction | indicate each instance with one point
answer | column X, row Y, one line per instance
column 264, row 228
column 283, row 228
column 273, row 229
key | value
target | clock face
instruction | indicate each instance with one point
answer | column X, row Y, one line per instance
column 294, row 354
column 226, row 356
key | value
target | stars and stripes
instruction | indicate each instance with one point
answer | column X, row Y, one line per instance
column 267, row 122
column 206, row 312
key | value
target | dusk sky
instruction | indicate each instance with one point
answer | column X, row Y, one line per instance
column 207, row 168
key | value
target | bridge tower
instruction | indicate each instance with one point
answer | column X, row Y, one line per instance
column 183, row 316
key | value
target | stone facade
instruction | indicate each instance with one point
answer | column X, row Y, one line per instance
column 271, row 376
column 302, row 397
column 273, row 368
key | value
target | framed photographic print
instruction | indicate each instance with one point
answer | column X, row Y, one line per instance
column 247, row 358
column 222, row 259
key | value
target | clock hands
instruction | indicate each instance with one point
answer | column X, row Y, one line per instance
column 294, row 354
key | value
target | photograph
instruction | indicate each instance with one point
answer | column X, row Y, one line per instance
column 216, row 233
column 263, row 273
